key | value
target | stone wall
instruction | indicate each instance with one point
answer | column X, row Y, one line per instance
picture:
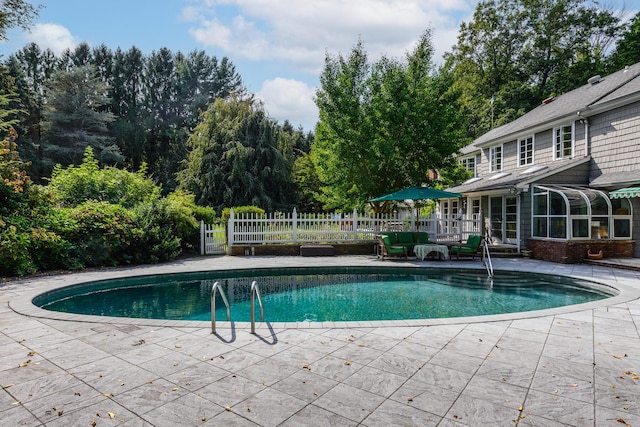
column 575, row 251
column 367, row 248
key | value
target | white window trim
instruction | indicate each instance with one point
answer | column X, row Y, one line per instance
column 492, row 155
column 533, row 151
column 573, row 142
column 475, row 164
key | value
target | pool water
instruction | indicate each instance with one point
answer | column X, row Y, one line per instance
column 322, row 294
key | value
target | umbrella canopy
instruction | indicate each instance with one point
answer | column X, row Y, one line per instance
column 417, row 193
column 625, row 193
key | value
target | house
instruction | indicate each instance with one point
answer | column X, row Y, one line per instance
column 559, row 180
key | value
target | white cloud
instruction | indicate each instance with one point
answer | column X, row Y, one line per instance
column 302, row 31
column 51, row 36
column 291, row 100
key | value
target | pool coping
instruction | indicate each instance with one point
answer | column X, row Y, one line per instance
column 30, row 288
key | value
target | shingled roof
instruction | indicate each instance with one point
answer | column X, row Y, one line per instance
column 602, row 90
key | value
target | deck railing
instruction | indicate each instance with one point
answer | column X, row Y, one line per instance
column 299, row 228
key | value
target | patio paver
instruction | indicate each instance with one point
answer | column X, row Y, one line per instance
column 573, row 366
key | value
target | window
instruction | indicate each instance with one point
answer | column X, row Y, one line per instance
column 469, row 164
column 579, row 213
column 495, row 158
column 563, row 142
column 525, row 151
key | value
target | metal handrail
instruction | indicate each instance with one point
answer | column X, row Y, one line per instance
column 217, row 287
column 486, row 258
column 255, row 291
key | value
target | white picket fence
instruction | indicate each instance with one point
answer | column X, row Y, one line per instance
column 295, row 228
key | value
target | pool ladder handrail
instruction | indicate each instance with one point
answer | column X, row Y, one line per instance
column 255, row 291
column 486, row 258
column 216, row 287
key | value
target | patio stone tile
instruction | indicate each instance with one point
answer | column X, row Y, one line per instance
column 350, row 402
column 394, row 414
column 447, row 378
column 617, row 390
column 19, row 416
column 315, row 416
column 189, row 409
column 235, row 360
column 483, row 413
column 571, row 329
column 305, row 385
column 396, row 333
column 194, row 377
column 614, row 349
column 496, row 392
column 397, row 364
column 601, row 338
column 569, row 387
column 506, row 372
column 141, row 353
column 620, row 361
column 610, row 417
column 579, row 351
column 360, row 355
column 37, row 368
column 149, row 396
column 414, row 350
column 100, row 413
column 475, row 336
column 297, row 357
column 568, row 411
column 324, row 344
column 269, row 407
column 268, row 371
column 375, row 341
column 469, row 348
column 528, row 420
column 621, row 328
column 37, row 388
column 540, row 324
column 110, row 375
column 516, row 343
column 335, row 368
column 550, row 366
column 426, row 397
column 168, row 362
column 514, row 333
column 436, row 336
column 528, row 360
column 229, row 419
column 457, row 361
column 265, row 350
column 111, row 341
column 375, row 381
column 230, row 390
column 54, row 405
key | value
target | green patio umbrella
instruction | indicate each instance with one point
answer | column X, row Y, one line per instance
column 417, row 193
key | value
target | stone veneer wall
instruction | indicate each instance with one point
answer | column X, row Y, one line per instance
column 368, row 248
column 575, row 251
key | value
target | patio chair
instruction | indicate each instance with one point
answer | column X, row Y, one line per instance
column 471, row 247
column 387, row 248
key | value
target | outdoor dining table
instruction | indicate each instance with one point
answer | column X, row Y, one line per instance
column 422, row 251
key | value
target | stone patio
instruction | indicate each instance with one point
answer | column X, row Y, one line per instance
column 572, row 366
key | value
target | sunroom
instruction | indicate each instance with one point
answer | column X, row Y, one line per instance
column 571, row 222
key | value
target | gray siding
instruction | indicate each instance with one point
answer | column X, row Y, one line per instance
column 615, row 140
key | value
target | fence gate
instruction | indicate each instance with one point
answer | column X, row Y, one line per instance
column 213, row 239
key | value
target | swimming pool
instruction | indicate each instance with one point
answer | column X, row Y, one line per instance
column 307, row 294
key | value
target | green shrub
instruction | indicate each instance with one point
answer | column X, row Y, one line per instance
column 159, row 221
column 50, row 251
column 101, row 234
column 14, row 251
column 77, row 184
column 226, row 212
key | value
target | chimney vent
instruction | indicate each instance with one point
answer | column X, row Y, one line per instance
column 594, row 80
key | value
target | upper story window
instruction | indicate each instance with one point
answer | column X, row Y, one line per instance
column 495, row 158
column 563, row 142
column 469, row 164
column 525, row 151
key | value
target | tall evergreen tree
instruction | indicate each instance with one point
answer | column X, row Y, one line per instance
column 75, row 120
column 235, row 158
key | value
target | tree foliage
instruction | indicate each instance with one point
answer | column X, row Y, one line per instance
column 382, row 126
column 16, row 13
column 239, row 156
column 515, row 53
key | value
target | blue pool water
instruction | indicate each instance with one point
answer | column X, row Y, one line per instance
column 325, row 294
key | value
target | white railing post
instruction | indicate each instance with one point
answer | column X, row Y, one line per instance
column 230, row 231
column 202, row 238
column 354, row 223
column 294, row 225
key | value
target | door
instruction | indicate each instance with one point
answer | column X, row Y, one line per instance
column 503, row 214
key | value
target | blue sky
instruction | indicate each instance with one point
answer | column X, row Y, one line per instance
column 278, row 46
